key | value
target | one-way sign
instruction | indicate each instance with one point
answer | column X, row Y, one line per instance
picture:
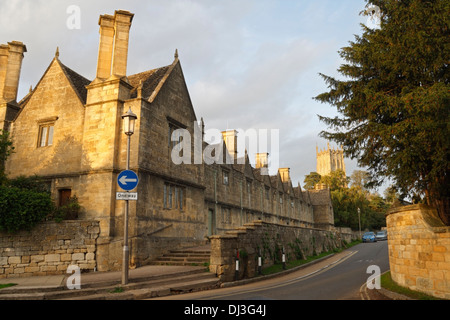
column 127, row 180
column 126, row 196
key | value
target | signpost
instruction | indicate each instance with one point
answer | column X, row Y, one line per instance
column 127, row 196
column 128, row 180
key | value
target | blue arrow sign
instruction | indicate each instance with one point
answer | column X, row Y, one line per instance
column 128, row 180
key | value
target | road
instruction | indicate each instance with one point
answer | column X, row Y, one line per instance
column 339, row 277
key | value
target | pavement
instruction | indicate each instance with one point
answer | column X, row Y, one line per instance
column 96, row 279
column 103, row 279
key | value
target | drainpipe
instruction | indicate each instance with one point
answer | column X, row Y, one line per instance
column 241, row 218
column 213, row 218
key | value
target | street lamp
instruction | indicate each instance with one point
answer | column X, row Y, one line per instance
column 359, row 221
column 129, row 120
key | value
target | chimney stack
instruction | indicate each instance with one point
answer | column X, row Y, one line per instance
column 122, row 26
column 262, row 162
column 230, row 138
column 4, row 54
column 113, row 47
column 105, row 47
column 11, row 57
column 285, row 174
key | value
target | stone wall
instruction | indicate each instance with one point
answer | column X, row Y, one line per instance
column 419, row 250
column 267, row 240
column 49, row 249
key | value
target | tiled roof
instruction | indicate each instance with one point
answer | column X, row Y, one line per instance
column 320, row 197
column 150, row 80
column 79, row 82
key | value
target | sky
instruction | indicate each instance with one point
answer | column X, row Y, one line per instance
column 248, row 64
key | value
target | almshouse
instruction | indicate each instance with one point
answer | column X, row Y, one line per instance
column 68, row 130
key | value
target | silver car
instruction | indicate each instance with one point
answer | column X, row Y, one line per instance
column 381, row 235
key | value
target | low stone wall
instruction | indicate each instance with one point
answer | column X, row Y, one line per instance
column 419, row 250
column 267, row 240
column 49, row 249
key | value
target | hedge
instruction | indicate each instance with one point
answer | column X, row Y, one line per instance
column 22, row 209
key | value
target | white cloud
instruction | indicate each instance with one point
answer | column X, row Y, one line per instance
column 248, row 64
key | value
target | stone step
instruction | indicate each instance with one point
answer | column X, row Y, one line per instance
column 145, row 288
column 183, row 258
column 153, row 292
column 190, row 256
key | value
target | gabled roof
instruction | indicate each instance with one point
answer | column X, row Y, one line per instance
column 150, row 80
column 77, row 81
column 320, row 197
column 298, row 192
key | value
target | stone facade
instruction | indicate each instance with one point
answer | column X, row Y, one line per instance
column 419, row 250
column 268, row 241
column 49, row 249
column 329, row 160
column 68, row 130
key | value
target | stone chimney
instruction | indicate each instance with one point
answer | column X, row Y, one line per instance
column 230, row 139
column 11, row 57
column 4, row 54
column 105, row 48
column 285, row 174
column 262, row 162
column 113, row 47
column 122, row 24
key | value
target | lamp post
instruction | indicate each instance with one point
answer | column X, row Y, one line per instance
column 359, row 221
column 129, row 120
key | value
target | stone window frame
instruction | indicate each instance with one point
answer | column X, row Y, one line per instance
column 267, row 192
column 46, row 126
column 226, row 177
column 226, row 215
column 172, row 126
column 174, row 196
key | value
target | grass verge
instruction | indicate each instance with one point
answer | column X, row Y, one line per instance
column 6, row 285
column 389, row 284
column 295, row 263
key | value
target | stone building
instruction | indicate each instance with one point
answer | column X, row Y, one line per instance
column 329, row 160
column 68, row 130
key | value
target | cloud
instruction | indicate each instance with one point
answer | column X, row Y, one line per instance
column 247, row 64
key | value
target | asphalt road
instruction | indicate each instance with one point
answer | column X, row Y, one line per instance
column 337, row 278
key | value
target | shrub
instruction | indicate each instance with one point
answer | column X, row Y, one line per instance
column 69, row 211
column 22, row 209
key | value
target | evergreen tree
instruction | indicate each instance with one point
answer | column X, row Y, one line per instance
column 394, row 103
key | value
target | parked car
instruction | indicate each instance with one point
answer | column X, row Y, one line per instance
column 381, row 235
column 369, row 237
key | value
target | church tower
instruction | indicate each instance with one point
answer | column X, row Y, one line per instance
column 329, row 160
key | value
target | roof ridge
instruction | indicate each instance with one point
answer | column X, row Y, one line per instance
column 77, row 81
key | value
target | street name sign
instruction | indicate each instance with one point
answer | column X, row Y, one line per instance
column 126, row 196
column 128, row 180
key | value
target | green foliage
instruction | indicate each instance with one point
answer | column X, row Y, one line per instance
column 394, row 103
column 26, row 201
column 21, row 209
column 34, row 183
column 69, row 211
column 311, row 180
column 346, row 202
column 335, row 180
column 6, row 149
